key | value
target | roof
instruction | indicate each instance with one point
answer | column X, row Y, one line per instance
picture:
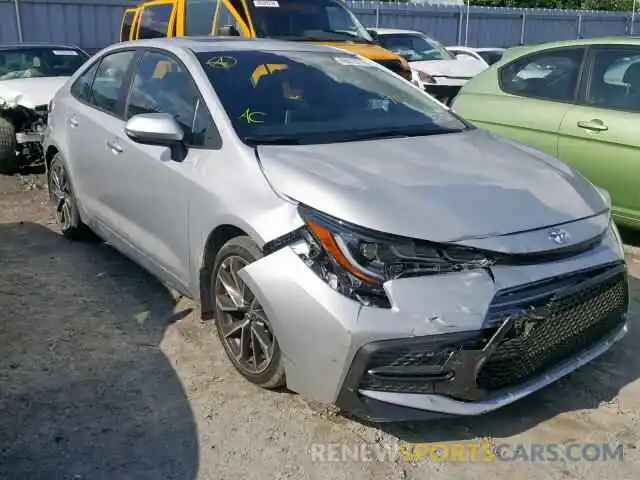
column 478, row 49
column 394, row 31
column 619, row 40
column 211, row 43
column 5, row 46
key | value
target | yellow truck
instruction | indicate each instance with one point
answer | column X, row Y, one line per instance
column 326, row 22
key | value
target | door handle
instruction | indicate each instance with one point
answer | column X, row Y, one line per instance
column 73, row 122
column 115, row 146
column 595, row 125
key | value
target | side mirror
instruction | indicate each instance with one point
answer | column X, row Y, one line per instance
column 373, row 34
column 229, row 31
column 157, row 129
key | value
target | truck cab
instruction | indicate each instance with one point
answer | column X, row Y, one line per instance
column 326, row 22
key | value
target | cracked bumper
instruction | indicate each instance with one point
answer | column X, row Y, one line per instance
column 328, row 340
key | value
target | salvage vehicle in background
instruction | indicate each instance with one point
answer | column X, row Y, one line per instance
column 349, row 236
column 30, row 74
column 325, row 22
column 486, row 55
column 434, row 68
column 577, row 100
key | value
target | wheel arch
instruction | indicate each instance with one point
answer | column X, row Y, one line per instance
column 216, row 239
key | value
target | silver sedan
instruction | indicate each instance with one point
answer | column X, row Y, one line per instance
column 350, row 236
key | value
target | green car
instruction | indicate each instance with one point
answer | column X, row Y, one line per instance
column 576, row 100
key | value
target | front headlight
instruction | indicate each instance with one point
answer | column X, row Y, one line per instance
column 357, row 262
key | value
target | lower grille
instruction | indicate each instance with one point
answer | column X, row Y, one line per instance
column 554, row 332
column 528, row 330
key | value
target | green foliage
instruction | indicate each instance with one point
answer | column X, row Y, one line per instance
column 610, row 5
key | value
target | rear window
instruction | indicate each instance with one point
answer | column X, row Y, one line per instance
column 491, row 56
column 309, row 97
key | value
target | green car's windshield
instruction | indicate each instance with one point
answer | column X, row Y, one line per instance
column 26, row 62
column 304, row 97
column 414, row 47
column 311, row 20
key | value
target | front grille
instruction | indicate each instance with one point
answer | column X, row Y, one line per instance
column 553, row 332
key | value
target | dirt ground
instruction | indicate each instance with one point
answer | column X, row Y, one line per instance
column 106, row 375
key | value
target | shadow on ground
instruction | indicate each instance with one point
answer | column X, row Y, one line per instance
column 594, row 385
column 85, row 391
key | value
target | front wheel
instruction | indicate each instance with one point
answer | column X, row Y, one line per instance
column 8, row 148
column 242, row 324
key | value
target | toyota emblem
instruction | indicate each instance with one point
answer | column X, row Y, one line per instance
column 559, row 236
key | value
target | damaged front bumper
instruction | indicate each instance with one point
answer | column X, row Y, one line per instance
column 462, row 343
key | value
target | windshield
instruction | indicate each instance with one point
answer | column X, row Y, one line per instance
column 311, row 20
column 304, row 97
column 40, row 62
column 414, row 47
column 491, row 56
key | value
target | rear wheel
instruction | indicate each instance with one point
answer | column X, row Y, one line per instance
column 8, row 147
column 242, row 324
column 64, row 202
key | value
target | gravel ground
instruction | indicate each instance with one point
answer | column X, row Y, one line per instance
column 106, row 374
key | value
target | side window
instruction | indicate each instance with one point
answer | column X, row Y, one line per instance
column 550, row 75
column 226, row 19
column 107, row 84
column 154, row 20
column 198, row 16
column 127, row 21
column 615, row 79
column 81, row 88
column 160, row 85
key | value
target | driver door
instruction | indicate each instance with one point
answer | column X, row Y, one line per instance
column 233, row 15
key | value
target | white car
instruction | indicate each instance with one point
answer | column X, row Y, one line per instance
column 30, row 75
column 435, row 69
column 485, row 55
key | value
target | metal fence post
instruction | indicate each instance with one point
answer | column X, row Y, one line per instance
column 523, row 26
column 466, row 24
column 579, row 26
column 377, row 16
column 16, row 6
column 460, row 26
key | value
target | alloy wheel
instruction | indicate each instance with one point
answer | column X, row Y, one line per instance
column 244, row 326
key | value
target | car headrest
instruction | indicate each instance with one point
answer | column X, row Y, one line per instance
column 632, row 75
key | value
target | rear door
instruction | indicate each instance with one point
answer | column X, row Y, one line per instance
column 538, row 91
column 156, row 20
column 93, row 120
column 599, row 136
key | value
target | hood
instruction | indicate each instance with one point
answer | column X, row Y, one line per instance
column 370, row 51
column 30, row 92
column 449, row 68
column 443, row 188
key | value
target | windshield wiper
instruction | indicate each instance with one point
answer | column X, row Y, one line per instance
column 394, row 133
column 271, row 140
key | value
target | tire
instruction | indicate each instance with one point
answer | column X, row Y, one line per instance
column 8, row 147
column 235, row 254
column 64, row 202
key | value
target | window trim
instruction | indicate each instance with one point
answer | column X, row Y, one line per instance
column 593, row 51
column 132, row 12
column 577, row 93
column 125, row 81
column 141, row 52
